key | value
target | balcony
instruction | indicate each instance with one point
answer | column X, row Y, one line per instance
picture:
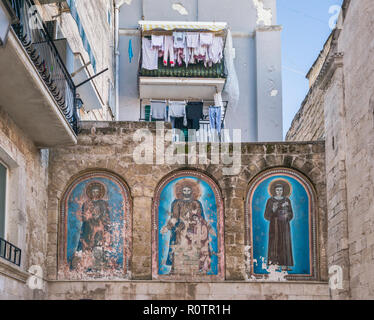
column 36, row 88
column 9, row 252
column 195, row 81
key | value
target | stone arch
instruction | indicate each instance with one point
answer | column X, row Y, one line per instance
column 95, row 233
column 188, row 228
column 281, row 231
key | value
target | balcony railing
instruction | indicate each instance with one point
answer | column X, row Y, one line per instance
column 10, row 252
column 39, row 45
column 192, row 71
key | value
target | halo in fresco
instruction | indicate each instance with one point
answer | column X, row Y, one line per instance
column 280, row 225
column 95, row 228
column 188, row 228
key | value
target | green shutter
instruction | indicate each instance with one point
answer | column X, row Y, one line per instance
column 3, row 172
column 147, row 113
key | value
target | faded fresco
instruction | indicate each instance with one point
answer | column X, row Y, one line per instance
column 189, row 238
column 96, row 223
column 280, row 216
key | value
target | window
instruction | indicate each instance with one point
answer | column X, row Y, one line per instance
column 3, row 175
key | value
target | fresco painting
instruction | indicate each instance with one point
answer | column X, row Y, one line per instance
column 280, row 216
column 188, row 242
column 96, row 222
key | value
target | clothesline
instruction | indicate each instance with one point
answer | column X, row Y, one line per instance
column 182, row 47
column 185, row 114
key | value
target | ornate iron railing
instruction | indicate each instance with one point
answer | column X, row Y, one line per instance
column 10, row 252
column 39, row 45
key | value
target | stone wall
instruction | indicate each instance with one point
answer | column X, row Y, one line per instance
column 110, row 146
column 345, row 91
column 308, row 123
column 155, row 290
column 356, row 42
column 26, row 209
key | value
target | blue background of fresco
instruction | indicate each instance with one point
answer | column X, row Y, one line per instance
column 116, row 212
column 299, row 226
column 209, row 204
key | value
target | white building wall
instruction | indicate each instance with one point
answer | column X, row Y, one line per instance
column 243, row 18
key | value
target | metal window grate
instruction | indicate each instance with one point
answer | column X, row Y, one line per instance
column 10, row 252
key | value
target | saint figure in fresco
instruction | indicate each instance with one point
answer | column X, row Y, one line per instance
column 189, row 251
column 94, row 233
column 279, row 212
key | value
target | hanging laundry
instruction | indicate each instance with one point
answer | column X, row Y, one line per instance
column 179, row 39
column 215, row 118
column 179, row 54
column 186, row 54
column 194, row 113
column 158, row 110
column 200, row 53
column 218, row 99
column 169, row 51
column 131, row 54
column 216, row 50
column 177, row 109
column 177, row 123
column 150, row 55
column 158, row 41
column 206, row 38
column 192, row 39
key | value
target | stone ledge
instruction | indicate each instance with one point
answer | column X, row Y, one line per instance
column 12, row 271
column 155, row 290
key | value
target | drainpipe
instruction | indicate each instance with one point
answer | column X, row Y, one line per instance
column 117, row 5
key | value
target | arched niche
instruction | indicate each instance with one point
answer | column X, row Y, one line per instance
column 280, row 224
column 95, row 228
column 188, row 228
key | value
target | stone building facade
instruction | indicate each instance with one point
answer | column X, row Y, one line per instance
column 37, row 111
column 92, row 221
column 26, row 208
column 339, row 110
column 254, row 91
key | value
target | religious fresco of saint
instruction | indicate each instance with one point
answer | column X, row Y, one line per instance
column 188, row 228
column 95, row 228
column 280, row 224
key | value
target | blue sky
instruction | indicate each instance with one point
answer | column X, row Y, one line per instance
column 305, row 30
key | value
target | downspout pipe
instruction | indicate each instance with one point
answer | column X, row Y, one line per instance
column 117, row 5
